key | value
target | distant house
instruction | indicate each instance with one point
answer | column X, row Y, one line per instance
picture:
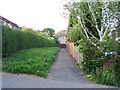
column 7, row 22
column 62, row 36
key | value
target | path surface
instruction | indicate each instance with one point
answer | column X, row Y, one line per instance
column 63, row 74
column 64, row 69
column 26, row 81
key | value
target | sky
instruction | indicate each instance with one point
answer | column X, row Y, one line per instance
column 36, row 14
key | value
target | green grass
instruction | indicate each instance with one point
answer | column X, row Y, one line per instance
column 32, row 61
column 103, row 80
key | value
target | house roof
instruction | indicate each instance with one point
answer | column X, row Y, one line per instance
column 62, row 33
column 8, row 21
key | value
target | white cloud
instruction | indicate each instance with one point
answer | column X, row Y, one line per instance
column 37, row 14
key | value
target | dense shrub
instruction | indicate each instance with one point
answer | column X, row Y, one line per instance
column 108, row 74
column 111, row 71
column 93, row 60
column 14, row 40
column 90, row 56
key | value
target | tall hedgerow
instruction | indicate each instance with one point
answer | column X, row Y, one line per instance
column 14, row 40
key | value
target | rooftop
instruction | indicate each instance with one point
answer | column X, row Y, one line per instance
column 62, row 33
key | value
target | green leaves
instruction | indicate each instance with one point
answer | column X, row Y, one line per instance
column 99, row 27
column 49, row 31
column 14, row 40
column 94, row 58
column 75, row 33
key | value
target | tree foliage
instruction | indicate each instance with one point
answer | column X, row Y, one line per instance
column 98, row 27
column 75, row 33
column 49, row 31
column 95, row 19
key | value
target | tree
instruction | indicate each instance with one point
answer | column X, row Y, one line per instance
column 99, row 22
column 49, row 31
column 115, row 9
column 72, row 19
column 75, row 33
column 94, row 19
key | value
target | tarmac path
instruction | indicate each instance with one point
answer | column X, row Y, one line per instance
column 63, row 74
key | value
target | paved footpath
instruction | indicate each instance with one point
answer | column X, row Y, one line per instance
column 64, row 69
column 63, row 74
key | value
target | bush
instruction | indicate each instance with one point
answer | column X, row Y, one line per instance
column 93, row 60
column 107, row 75
column 90, row 56
column 14, row 40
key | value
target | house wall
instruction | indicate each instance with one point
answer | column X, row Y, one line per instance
column 62, row 39
column 6, row 22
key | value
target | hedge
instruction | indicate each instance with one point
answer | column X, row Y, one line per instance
column 16, row 40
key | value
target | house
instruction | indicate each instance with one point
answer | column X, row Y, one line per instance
column 62, row 37
column 7, row 22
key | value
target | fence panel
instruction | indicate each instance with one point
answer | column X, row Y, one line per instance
column 74, row 51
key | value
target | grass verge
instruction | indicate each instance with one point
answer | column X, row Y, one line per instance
column 32, row 61
column 100, row 79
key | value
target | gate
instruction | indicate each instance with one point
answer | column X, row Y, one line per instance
column 63, row 45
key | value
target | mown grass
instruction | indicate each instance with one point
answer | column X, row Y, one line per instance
column 32, row 61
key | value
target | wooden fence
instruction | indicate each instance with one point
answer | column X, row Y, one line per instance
column 74, row 51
